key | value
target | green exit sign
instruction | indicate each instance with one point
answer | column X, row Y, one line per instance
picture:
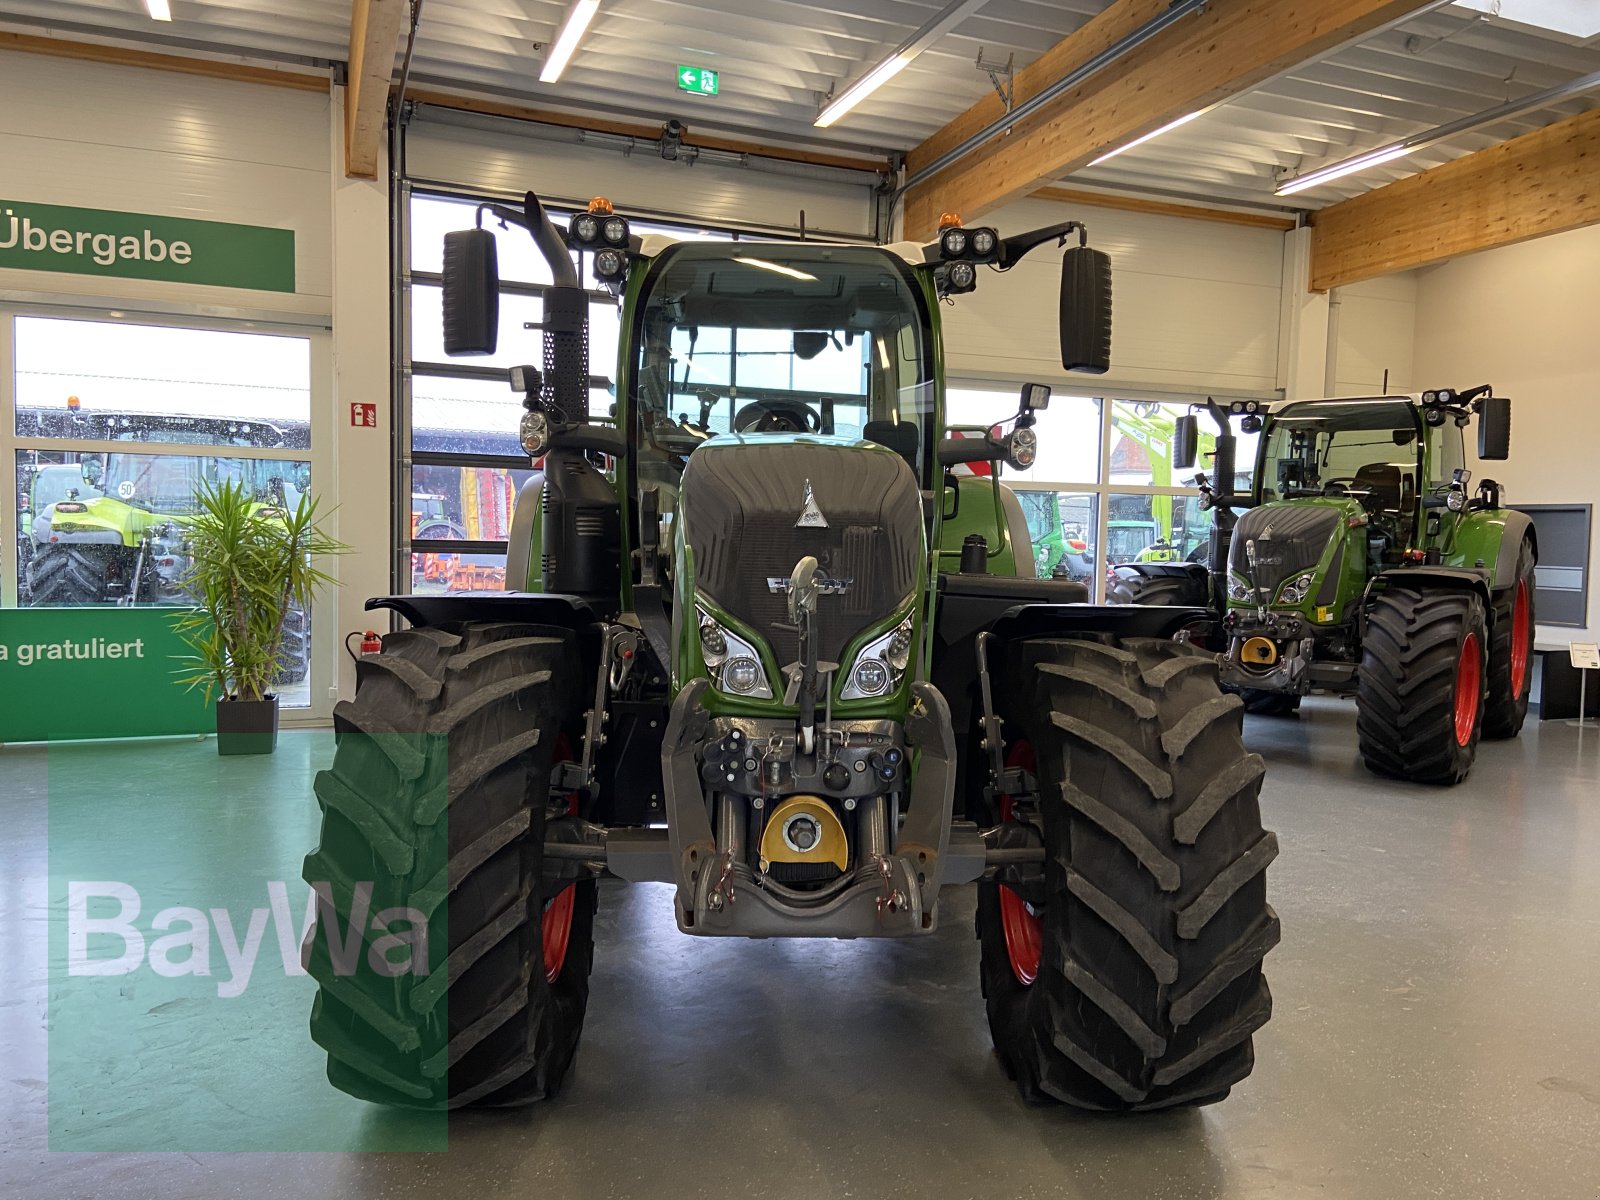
column 697, row 80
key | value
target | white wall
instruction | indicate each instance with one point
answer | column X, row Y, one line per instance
column 1526, row 318
column 1375, row 325
column 94, row 135
column 506, row 157
column 1196, row 304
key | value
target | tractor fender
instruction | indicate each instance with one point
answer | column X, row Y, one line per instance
column 1465, row 579
column 1171, row 569
column 83, row 537
column 567, row 612
column 523, row 548
column 1490, row 540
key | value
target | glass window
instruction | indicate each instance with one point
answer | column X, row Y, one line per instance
column 1062, row 526
column 1367, row 449
column 463, row 503
column 1069, row 431
column 435, row 574
column 100, row 380
column 815, row 339
column 1449, row 453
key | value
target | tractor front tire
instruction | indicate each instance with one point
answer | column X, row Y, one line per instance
column 1511, row 653
column 1129, row 975
column 436, row 806
column 64, row 573
column 1420, row 694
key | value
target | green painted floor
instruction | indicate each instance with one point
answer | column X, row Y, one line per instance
column 1434, row 1031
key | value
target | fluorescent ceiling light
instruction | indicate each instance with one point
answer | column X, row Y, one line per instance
column 1417, row 141
column 159, row 10
column 778, row 268
column 946, row 20
column 1339, row 170
column 566, row 43
column 1139, row 141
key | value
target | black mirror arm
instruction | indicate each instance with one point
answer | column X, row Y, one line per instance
column 1013, row 249
column 552, row 246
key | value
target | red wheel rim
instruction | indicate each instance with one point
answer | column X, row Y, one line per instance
column 1469, row 686
column 555, row 928
column 1023, row 930
column 1521, row 638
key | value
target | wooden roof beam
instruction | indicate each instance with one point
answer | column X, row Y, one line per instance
column 375, row 27
column 1229, row 47
column 1547, row 181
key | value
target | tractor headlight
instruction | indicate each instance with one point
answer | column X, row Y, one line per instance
column 1296, row 590
column 953, row 243
column 962, row 276
column 1240, row 590
column 586, row 228
column 984, row 242
column 734, row 664
column 609, row 265
column 881, row 664
column 1024, row 449
column 616, row 231
column 534, row 433
column 1456, row 500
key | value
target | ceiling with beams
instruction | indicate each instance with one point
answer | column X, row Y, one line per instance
column 779, row 59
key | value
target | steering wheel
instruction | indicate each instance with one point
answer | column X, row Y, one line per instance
column 1338, row 485
column 776, row 416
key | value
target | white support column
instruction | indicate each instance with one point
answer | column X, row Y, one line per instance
column 362, row 460
column 1305, row 353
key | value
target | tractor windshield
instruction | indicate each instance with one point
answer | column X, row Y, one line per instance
column 755, row 338
column 1370, row 450
column 167, row 483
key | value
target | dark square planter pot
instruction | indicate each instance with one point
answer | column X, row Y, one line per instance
column 247, row 726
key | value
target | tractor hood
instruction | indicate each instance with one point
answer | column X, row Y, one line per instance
column 1292, row 538
column 753, row 507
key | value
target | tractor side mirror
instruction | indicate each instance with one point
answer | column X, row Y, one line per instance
column 1185, row 441
column 92, row 470
column 471, row 292
column 1494, row 428
column 1086, row 310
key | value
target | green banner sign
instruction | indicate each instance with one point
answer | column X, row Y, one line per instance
column 92, row 241
column 68, row 673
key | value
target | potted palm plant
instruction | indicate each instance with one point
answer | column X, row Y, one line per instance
column 252, row 564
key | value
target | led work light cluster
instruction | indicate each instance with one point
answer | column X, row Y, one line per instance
column 963, row 251
column 604, row 234
column 735, row 664
column 881, row 665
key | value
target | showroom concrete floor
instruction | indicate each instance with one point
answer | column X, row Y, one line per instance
column 1434, row 1033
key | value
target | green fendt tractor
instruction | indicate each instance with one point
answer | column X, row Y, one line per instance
column 764, row 648
column 1361, row 564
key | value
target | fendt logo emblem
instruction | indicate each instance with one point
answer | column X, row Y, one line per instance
column 810, row 515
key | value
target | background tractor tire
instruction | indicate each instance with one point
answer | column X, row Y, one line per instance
column 1511, row 653
column 1146, row 932
column 1129, row 586
column 64, row 573
column 1420, row 694
column 1269, row 704
column 438, row 798
column 294, row 656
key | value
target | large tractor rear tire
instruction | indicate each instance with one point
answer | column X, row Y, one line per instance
column 64, row 573
column 437, row 801
column 1128, row 585
column 1420, row 694
column 1511, row 653
column 1129, row 975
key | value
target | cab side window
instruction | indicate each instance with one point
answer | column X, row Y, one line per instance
column 1446, row 453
